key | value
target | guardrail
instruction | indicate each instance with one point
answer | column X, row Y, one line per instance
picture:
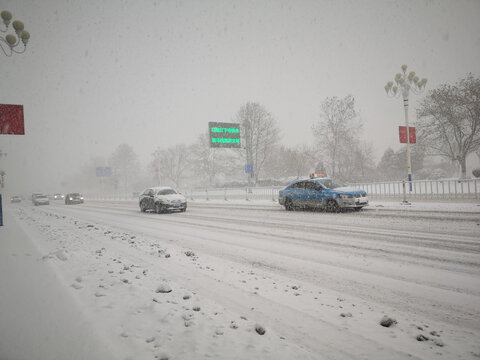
column 421, row 189
column 424, row 189
column 247, row 193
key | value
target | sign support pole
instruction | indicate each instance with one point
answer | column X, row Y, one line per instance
column 409, row 160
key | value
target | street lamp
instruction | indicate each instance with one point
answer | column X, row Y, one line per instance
column 403, row 85
column 9, row 42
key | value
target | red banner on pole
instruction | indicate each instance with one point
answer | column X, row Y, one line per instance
column 402, row 132
column 11, row 119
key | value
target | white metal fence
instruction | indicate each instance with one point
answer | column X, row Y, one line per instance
column 424, row 189
column 247, row 193
column 421, row 189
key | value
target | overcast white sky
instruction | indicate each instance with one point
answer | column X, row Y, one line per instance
column 153, row 73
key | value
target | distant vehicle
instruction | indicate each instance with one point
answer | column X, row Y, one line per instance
column 15, row 199
column 34, row 195
column 162, row 199
column 73, row 198
column 321, row 192
column 41, row 200
column 58, row 197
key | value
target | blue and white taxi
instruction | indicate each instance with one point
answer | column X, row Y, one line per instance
column 321, row 192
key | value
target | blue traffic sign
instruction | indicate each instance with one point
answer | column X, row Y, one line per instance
column 249, row 169
column 103, row 171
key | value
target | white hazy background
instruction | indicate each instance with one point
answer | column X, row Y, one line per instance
column 153, row 73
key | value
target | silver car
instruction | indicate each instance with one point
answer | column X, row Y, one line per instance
column 162, row 199
column 41, row 200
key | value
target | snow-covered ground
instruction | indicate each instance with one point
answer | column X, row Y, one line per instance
column 240, row 280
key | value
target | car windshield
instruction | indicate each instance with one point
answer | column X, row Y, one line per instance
column 330, row 184
column 166, row 192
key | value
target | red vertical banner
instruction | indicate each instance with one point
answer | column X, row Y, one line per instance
column 402, row 133
column 11, row 120
column 412, row 135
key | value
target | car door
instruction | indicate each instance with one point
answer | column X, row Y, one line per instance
column 319, row 195
column 298, row 194
column 312, row 194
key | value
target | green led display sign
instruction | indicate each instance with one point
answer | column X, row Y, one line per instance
column 224, row 135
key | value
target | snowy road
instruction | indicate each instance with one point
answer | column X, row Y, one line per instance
column 318, row 283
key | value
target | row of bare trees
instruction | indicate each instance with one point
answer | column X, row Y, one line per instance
column 260, row 134
column 337, row 150
column 448, row 125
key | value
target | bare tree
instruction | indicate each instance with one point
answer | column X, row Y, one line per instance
column 449, row 120
column 260, row 135
column 172, row 162
column 125, row 165
column 291, row 162
column 392, row 164
column 388, row 167
column 204, row 158
column 211, row 162
column 359, row 164
column 336, row 132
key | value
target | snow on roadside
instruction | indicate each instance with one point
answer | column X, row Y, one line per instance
column 136, row 297
column 150, row 294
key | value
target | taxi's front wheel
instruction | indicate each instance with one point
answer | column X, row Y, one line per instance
column 332, row 206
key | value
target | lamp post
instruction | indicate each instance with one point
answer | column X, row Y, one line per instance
column 9, row 42
column 404, row 84
column 2, row 173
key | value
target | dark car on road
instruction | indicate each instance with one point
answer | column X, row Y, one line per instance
column 322, row 193
column 162, row 199
column 73, row 198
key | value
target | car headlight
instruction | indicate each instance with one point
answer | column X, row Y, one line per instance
column 345, row 196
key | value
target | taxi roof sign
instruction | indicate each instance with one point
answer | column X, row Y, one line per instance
column 314, row 175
